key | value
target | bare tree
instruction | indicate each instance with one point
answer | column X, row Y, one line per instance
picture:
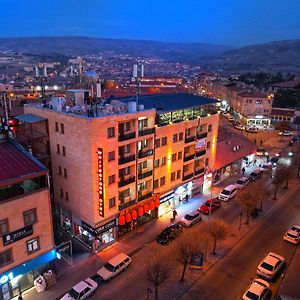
column 158, row 271
column 278, row 179
column 247, row 199
column 218, row 231
column 185, row 246
column 296, row 158
column 262, row 190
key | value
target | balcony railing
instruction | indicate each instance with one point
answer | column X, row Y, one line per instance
column 126, row 136
column 189, row 157
column 189, row 139
column 145, row 153
column 144, row 175
column 127, row 204
column 146, row 131
column 143, row 197
column 200, row 153
column 124, row 182
column 188, row 176
column 199, row 171
column 124, row 160
column 201, row 135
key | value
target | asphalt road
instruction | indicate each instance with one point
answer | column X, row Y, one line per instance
column 232, row 275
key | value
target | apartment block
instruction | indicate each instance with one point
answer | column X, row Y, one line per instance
column 117, row 163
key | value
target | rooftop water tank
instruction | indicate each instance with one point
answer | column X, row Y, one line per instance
column 131, row 106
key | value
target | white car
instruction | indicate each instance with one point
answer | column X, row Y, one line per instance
column 252, row 129
column 114, row 266
column 240, row 127
column 240, row 183
column 81, row 290
column 270, row 266
column 293, row 235
column 258, row 290
column 189, row 219
column 228, row 193
column 286, row 133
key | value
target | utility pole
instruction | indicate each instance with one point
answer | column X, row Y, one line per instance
column 41, row 74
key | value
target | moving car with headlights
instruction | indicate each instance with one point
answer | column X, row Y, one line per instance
column 285, row 133
column 274, row 161
column 190, row 219
column 210, row 205
column 266, row 167
column 261, row 152
column 169, row 234
column 293, row 235
column 114, row 266
column 240, row 127
column 228, row 193
column 240, row 183
column 258, row 290
column 81, row 290
column 270, row 266
column 252, row 129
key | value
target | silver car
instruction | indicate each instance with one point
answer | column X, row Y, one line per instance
column 192, row 218
column 270, row 266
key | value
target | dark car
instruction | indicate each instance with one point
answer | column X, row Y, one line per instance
column 205, row 207
column 274, row 160
column 169, row 234
column 255, row 175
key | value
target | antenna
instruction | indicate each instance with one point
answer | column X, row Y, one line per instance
column 41, row 73
column 137, row 78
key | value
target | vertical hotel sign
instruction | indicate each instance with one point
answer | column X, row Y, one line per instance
column 100, row 182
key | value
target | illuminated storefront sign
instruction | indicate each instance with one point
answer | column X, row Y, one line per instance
column 200, row 144
column 17, row 235
column 100, row 182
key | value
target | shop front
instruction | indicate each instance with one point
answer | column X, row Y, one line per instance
column 258, row 121
column 98, row 237
column 138, row 215
column 21, row 278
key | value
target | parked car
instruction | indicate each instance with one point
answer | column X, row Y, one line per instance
column 228, row 193
column 274, row 161
column 241, row 182
column 261, row 152
column 292, row 235
column 169, row 234
column 240, row 127
column 210, row 205
column 231, row 119
column 255, row 175
column 270, row 266
column 258, row 290
column 252, row 129
column 81, row 290
column 114, row 266
column 190, row 219
column 266, row 167
column 286, row 133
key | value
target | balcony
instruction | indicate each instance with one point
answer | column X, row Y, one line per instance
column 201, row 135
column 126, row 136
column 189, row 139
column 189, row 157
column 146, row 131
column 145, row 153
column 144, row 175
column 199, row 171
column 187, row 176
column 124, row 182
column 143, row 197
column 200, row 153
column 124, row 160
column 127, row 204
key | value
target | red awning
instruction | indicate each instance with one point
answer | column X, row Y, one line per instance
column 122, row 220
column 128, row 217
column 152, row 205
column 146, row 208
column 140, row 211
column 133, row 214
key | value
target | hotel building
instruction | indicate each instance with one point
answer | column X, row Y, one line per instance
column 119, row 164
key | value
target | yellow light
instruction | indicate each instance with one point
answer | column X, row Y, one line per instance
column 11, row 94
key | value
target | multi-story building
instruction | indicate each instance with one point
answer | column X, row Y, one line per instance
column 26, row 245
column 118, row 165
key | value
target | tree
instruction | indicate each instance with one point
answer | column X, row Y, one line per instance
column 218, row 231
column 262, row 190
column 247, row 199
column 278, row 179
column 185, row 246
column 296, row 158
column 158, row 271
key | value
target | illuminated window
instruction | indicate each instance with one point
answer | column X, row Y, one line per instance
column 33, row 245
column 111, row 202
column 30, row 217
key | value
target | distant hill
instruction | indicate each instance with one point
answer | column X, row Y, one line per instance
column 281, row 56
column 73, row 46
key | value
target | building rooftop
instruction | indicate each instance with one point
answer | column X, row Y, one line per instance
column 253, row 94
column 171, row 102
column 17, row 164
column 283, row 111
column 30, row 118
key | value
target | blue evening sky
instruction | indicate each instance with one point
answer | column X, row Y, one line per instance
column 230, row 22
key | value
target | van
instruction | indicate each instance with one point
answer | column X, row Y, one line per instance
column 228, row 193
column 114, row 266
column 255, row 174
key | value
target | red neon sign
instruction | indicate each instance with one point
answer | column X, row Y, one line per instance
column 100, row 182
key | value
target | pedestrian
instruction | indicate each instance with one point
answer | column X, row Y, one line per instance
column 187, row 198
column 254, row 162
column 268, row 158
column 174, row 214
column 243, row 170
column 20, row 297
